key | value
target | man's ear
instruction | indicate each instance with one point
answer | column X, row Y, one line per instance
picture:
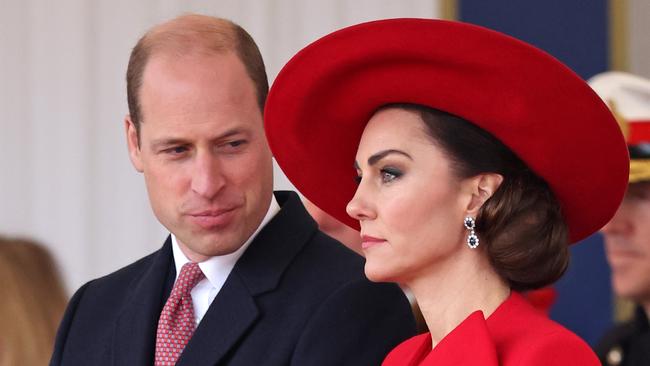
column 482, row 187
column 133, row 142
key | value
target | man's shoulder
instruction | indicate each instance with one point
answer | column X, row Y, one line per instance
column 326, row 269
column 127, row 273
column 620, row 332
column 332, row 256
column 616, row 339
column 326, row 283
column 293, row 241
column 116, row 285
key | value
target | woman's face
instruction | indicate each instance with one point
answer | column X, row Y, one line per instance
column 409, row 203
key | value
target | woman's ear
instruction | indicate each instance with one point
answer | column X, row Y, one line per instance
column 482, row 187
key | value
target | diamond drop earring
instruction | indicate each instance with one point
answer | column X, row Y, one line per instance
column 472, row 239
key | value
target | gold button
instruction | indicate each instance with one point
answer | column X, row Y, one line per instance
column 615, row 356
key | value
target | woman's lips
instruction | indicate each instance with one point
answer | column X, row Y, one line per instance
column 368, row 241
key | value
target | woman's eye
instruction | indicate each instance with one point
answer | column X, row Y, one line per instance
column 389, row 174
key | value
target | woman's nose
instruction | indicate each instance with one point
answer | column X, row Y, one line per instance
column 360, row 208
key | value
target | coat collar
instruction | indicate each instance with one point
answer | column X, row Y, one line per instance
column 475, row 333
column 258, row 271
column 135, row 330
column 468, row 342
column 640, row 320
column 233, row 311
column 263, row 264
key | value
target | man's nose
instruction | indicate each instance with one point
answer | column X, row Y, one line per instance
column 207, row 177
column 621, row 223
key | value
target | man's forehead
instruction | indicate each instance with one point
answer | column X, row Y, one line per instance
column 166, row 58
column 199, row 78
column 639, row 190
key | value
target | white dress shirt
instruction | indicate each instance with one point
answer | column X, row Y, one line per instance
column 216, row 269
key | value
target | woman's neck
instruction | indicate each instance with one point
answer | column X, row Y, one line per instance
column 449, row 292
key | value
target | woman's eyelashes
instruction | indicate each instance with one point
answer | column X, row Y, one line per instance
column 386, row 175
column 390, row 174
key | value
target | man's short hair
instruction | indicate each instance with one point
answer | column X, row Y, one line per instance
column 199, row 34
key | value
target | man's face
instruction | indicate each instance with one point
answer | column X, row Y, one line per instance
column 627, row 244
column 202, row 150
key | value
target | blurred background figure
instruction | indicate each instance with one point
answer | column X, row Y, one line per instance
column 627, row 235
column 334, row 228
column 32, row 301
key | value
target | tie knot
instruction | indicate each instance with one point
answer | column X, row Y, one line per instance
column 188, row 278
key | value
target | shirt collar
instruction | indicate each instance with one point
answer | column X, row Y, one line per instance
column 217, row 268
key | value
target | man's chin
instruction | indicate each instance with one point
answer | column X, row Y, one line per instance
column 632, row 293
column 207, row 244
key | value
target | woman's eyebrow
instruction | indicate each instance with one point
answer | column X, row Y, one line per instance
column 372, row 160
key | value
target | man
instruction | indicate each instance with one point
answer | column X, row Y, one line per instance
column 627, row 235
column 269, row 288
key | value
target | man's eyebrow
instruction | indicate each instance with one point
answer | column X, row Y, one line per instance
column 155, row 144
column 169, row 141
column 230, row 133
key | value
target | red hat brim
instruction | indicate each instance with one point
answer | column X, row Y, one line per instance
column 322, row 99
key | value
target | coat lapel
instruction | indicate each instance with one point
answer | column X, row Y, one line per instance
column 259, row 270
column 135, row 330
column 232, row 312
column 276, row 245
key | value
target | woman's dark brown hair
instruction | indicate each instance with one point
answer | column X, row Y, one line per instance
column 521, row 226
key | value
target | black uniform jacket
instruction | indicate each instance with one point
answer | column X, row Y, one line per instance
column 295, row 297
column 627, row 344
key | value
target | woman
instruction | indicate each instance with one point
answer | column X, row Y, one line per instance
column 478, row 159
column 32, row 302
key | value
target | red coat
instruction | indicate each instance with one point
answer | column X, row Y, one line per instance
column 514, row 335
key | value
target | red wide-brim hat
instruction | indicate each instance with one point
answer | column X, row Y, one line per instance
column 322, row 99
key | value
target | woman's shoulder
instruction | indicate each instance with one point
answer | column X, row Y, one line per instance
column 516, row 334
column 525, row 336
column 469, row 344
column 414, row 348
column 553, row 347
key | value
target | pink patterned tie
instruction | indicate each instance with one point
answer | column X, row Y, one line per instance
column 176, row 323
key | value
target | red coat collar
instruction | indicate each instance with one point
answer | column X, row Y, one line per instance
column 471, row 340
